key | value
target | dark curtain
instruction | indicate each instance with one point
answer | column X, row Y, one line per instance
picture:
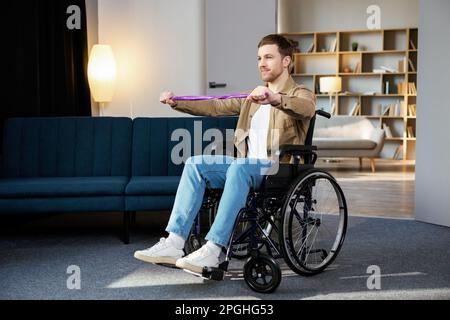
column 46, row 62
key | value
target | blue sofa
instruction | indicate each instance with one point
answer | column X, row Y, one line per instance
column 86, row 164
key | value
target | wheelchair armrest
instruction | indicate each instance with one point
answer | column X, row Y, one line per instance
column 296, row 150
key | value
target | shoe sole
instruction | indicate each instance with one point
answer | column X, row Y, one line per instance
column 156, row 260
column 189, row 267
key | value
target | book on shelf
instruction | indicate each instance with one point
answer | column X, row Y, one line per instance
column 391, row 110
column 385, row 110
column 398, row 153
column 333, row 45
column 411, row 65
column 412, row 45
column 356, row 110
column 401, row 66
column 388, row 69
column 378, row 110
column 358, row 67
column 412, row 88
column 387, row 130
column 399, row 109
column 403, row 108
column 410, row 132
column 310, row 48
column 412, row 110
column 378, row 71
column 401, row 88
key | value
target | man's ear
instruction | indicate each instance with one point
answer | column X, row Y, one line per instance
column 287, row 61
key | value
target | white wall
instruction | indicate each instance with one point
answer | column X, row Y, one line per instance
column 433, row 114
column 333, row 15
column 158, row 45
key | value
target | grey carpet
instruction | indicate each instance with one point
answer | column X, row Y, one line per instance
column 36, row 252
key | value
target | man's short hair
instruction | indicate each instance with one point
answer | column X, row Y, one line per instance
column 285, row 46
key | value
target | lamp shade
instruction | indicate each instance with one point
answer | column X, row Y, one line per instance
column 330, row 84
column 102, row 73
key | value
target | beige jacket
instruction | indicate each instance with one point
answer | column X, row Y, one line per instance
column 291, row 117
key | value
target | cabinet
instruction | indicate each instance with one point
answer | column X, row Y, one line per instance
column 379, row 79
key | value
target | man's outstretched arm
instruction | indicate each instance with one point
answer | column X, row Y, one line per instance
column 209, row 108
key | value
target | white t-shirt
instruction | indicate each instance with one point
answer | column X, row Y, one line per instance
column 257, row 138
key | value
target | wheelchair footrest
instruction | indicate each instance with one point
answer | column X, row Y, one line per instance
column 216, row 274
column 208, row 273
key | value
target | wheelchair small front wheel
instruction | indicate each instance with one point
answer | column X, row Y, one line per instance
column 262, row 274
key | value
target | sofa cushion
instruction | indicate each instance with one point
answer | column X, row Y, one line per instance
column 67, row 147
column 154, row 140
column 343, row 127
column 62, row 187
column 344, row 143
column 153, row 185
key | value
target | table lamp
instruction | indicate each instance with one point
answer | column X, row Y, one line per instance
column 102, row 74
column 330, row 85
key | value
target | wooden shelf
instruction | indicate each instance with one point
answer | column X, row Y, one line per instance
column 360, row 74
column 391, row 48
column 315, row 53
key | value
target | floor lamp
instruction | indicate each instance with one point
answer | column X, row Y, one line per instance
column 331, row 85
column 102, row 75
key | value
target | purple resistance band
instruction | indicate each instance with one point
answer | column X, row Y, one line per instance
column 198, row 98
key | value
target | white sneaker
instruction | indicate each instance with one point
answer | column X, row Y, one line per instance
column 196, row 261
column 162, row 252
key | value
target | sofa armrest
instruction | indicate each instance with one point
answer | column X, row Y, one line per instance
column 378, row 136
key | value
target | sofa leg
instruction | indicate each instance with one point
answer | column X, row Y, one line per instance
column 126, row 227
column 133, row 218
column 360, row 163
column 372, row 164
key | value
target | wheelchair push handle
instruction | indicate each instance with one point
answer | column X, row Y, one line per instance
column 323, row 114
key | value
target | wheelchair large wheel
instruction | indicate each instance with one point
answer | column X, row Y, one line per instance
column 313, row 223
column 262, row 274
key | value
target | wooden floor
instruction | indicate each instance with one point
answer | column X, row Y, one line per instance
column 389, row 192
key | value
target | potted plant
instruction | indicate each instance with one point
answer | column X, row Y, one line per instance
column 355, row 46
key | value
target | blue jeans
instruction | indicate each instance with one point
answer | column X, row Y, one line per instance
column 236, row 176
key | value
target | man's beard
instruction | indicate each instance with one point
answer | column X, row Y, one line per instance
column 270, row 76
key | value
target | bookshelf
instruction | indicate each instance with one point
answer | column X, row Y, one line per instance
column 379, row 79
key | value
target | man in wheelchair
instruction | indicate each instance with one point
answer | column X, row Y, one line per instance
column 282, row 106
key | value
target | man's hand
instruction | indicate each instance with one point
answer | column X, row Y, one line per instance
column 166, row 98
column 263, row 95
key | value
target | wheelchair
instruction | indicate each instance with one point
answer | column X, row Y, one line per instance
column 299, row 214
